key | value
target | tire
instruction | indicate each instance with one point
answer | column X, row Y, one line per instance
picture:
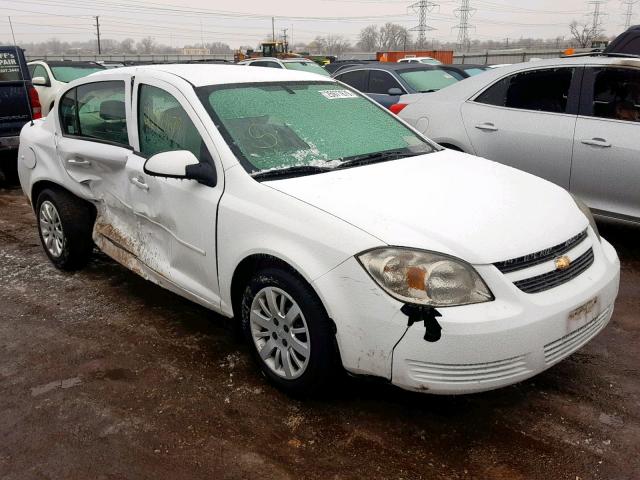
column 305, row 375
column 64, row 225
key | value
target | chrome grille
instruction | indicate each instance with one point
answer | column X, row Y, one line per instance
column 537, row 258
column 549, row 280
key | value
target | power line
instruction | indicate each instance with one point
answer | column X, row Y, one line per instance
column 464, row 12
column 597, row 16
column 629, row 13
column 422, row 7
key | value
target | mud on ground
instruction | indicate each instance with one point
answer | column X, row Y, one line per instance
column 106, row 376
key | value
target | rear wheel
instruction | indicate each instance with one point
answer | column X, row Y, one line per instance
column 64, row 225
column 289, row 332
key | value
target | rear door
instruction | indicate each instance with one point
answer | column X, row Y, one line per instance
column 358, row 79
column 606, row 153
column 93, row 146
column 14, row 100
column 527, row 120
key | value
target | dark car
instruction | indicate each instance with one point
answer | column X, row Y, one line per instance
column 469, row 69
column 337, row 65
column 627, row 43
column 385, row 82
column 19, row 103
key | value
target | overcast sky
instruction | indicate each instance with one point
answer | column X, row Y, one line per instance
column 249, row 21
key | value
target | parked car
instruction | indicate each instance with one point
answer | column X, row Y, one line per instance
column 333, row 232
column 51, row 76
column 385, row 82
column 470, row 70
column 301, row 64
column 574, row 121
column 424, row 60
column 627, row 43
column 333, row 67
column 18, row 103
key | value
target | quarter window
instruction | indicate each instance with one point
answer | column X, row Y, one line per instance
column 357, row 79
column 96, row 111
column 40, row 71
column 381, row 82
column 616, row 94
column 164, row 126
column 539, row 90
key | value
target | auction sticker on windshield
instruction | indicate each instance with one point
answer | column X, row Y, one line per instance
column 335, row 94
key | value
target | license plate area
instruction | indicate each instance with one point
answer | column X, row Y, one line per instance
column 585, row 313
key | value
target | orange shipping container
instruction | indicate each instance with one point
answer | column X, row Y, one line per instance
column 445, row 56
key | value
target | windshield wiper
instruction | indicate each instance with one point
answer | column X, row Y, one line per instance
column 295, row 171
column 376, row 157
column 429, row 91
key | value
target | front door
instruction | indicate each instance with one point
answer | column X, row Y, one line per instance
column 606, row 152
column 527, row 120
column 176, row 219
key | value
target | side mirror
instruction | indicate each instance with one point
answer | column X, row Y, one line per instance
column 181, row 164
column 394, row 91
column 40, row 82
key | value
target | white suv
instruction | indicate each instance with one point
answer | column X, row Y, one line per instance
column 333, row 232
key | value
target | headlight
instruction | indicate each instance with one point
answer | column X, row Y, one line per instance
column 425, row 278
column 587, row 212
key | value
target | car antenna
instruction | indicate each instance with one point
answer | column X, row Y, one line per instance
column 24, row 76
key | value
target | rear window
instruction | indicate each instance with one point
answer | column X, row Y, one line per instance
column 428, row 80
column 68, row 73
column 310, row 67
column 9, row 67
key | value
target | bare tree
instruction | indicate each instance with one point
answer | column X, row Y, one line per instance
column 393, row 37
column 146, row 45
column 329, row 44
column 126, row 45
column 369, row 39
column 582, row 33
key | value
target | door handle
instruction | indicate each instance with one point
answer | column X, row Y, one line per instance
column 487, row 127
column 138, row 182
column 79, row 162
column 597, row 142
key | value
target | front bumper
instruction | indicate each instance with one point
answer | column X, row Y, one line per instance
column 491, row 345
column 483, row 346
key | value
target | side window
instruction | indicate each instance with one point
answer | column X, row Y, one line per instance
column 540, row 90
column 616, row 94
column 68, row 117
column 164, row 126
column 95, row 111
column 40, row 71
column 357, row 79
column 381, row 82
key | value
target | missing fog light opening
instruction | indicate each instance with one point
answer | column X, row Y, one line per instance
column 428, row 315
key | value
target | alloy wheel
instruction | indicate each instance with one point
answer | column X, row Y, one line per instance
column 51, row 229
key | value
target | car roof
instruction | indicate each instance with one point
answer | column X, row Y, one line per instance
column 395, row 66
column 211, row 74
column 68, row 63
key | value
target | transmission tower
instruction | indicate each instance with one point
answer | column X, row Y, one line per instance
column 422, row 7
column 629, row 13
column 464, row 13
column 597, row 15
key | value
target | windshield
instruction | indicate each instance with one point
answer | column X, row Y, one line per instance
column 293, row 124
column 307, row 67
column 428, row 80
column 431, row 61
column 475, row 71
column 69, row 73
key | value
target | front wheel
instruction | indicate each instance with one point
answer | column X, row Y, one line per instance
column 289, row 332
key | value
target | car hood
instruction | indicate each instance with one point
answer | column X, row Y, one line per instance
column 447, row 201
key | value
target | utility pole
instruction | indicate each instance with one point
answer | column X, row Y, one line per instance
column 284, row 40
column 464, row 13
column 597, row 16
column 273, row 29
column 98, row 34
column 421, row 8
column 629, row 13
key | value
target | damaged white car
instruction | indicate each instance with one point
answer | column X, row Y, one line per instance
column 336, row 234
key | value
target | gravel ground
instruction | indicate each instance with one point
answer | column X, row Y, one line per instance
column 106, row 376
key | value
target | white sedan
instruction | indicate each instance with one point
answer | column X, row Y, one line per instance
column 334, row 233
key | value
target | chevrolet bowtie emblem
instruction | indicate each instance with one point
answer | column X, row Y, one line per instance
column 562, row 263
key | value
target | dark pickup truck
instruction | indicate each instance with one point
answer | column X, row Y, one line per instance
column 19, row 102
